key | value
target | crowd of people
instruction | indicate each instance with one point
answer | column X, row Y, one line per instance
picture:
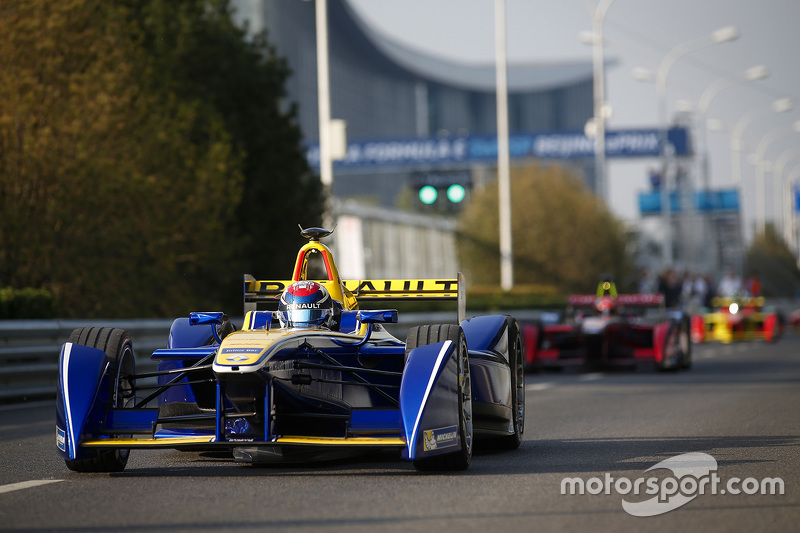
column 689, row 291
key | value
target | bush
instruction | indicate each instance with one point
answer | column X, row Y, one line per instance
column 26, row 303
column 493, row 298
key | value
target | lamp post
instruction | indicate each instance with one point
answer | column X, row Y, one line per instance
column 761, row 150
column 601, row 111
column 503, row 163
column 721, row 35
column 758, row 72
column 323, row 94
column 781, row 105
column 782, row 191
column 794, row 174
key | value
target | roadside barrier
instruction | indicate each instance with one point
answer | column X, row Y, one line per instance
column 29, row 352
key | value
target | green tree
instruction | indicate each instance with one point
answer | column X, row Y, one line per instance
column 206, row 58
column 147, row 158
column 774, row 264
column 562, row 234
column 106, row 198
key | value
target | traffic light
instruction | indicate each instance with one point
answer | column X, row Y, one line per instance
column 441, row 191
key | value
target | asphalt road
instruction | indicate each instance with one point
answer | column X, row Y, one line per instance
column 739, row 404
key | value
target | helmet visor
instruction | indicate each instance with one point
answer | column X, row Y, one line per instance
column 303, row 318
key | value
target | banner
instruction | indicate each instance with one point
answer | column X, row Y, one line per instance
column 554, row 145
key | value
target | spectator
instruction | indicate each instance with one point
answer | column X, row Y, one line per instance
column 753, row 286
column 729, row 286
column 646, row 285
column 670, row 286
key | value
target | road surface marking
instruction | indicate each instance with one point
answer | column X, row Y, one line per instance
column 27, row 484
column 591, row 376
column 540, row 386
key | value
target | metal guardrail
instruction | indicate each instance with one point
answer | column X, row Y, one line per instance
column 29, row 351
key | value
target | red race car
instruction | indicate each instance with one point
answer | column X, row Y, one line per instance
column 610, row 330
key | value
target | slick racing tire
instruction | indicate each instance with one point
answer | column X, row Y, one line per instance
column 116, row 343
column 516, row 361
column 421, row 336
column 672, row 348
column 685, row 342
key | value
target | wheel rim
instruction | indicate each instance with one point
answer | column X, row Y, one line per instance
column 123, row 394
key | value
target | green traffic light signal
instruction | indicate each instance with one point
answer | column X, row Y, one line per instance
column 456, row 193
column 428, row 194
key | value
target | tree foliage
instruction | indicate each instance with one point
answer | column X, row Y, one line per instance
column 562, row 234
column 773, row 263
column 208, row 59
column 137, row 144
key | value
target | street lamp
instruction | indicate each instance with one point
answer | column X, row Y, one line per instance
column 761, row 151
column 754, row 73
column 725, row 34
column 758, row 72
column 503, row 163
column 781, row 105
column 601, row 111
column 782, row 191
column 323, row 94
column 791, row 180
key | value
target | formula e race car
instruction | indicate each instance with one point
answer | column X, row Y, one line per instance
column 607, row 329
column 316, row 379
column 737, row 319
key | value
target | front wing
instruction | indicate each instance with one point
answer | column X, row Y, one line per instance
column 86, row 421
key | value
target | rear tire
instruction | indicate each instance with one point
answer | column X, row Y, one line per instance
column 421, row 336
column 117, row 345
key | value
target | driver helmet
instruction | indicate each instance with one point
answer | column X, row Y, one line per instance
column 305, row 304
column 606, row 298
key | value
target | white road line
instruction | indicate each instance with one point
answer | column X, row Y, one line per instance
column 592, row 376
column 540, row 386
column 27, row 484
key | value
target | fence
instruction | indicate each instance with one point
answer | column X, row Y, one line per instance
column 29, row 352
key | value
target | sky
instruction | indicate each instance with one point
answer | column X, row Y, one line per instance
column 638, row 34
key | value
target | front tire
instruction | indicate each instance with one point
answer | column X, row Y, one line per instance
column 117, row 345
column 421, row 336
column 685, row 341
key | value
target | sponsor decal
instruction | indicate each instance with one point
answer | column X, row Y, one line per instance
column 242, row 350
column 61, row 439
column 693, row 474
column 433, row 439
column 304, row 306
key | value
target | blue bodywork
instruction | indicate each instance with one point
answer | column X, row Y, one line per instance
column 385, row 396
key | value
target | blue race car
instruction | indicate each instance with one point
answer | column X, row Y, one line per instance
column 316, row 379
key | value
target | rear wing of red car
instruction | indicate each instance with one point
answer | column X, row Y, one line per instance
column 264, row 294
column 628, row 300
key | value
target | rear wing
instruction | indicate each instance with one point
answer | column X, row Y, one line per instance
column 629, row 300
column 264, row 294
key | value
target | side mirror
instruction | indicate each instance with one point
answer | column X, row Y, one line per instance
column 200, row 319
column 213, row 319
column 387, row 316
